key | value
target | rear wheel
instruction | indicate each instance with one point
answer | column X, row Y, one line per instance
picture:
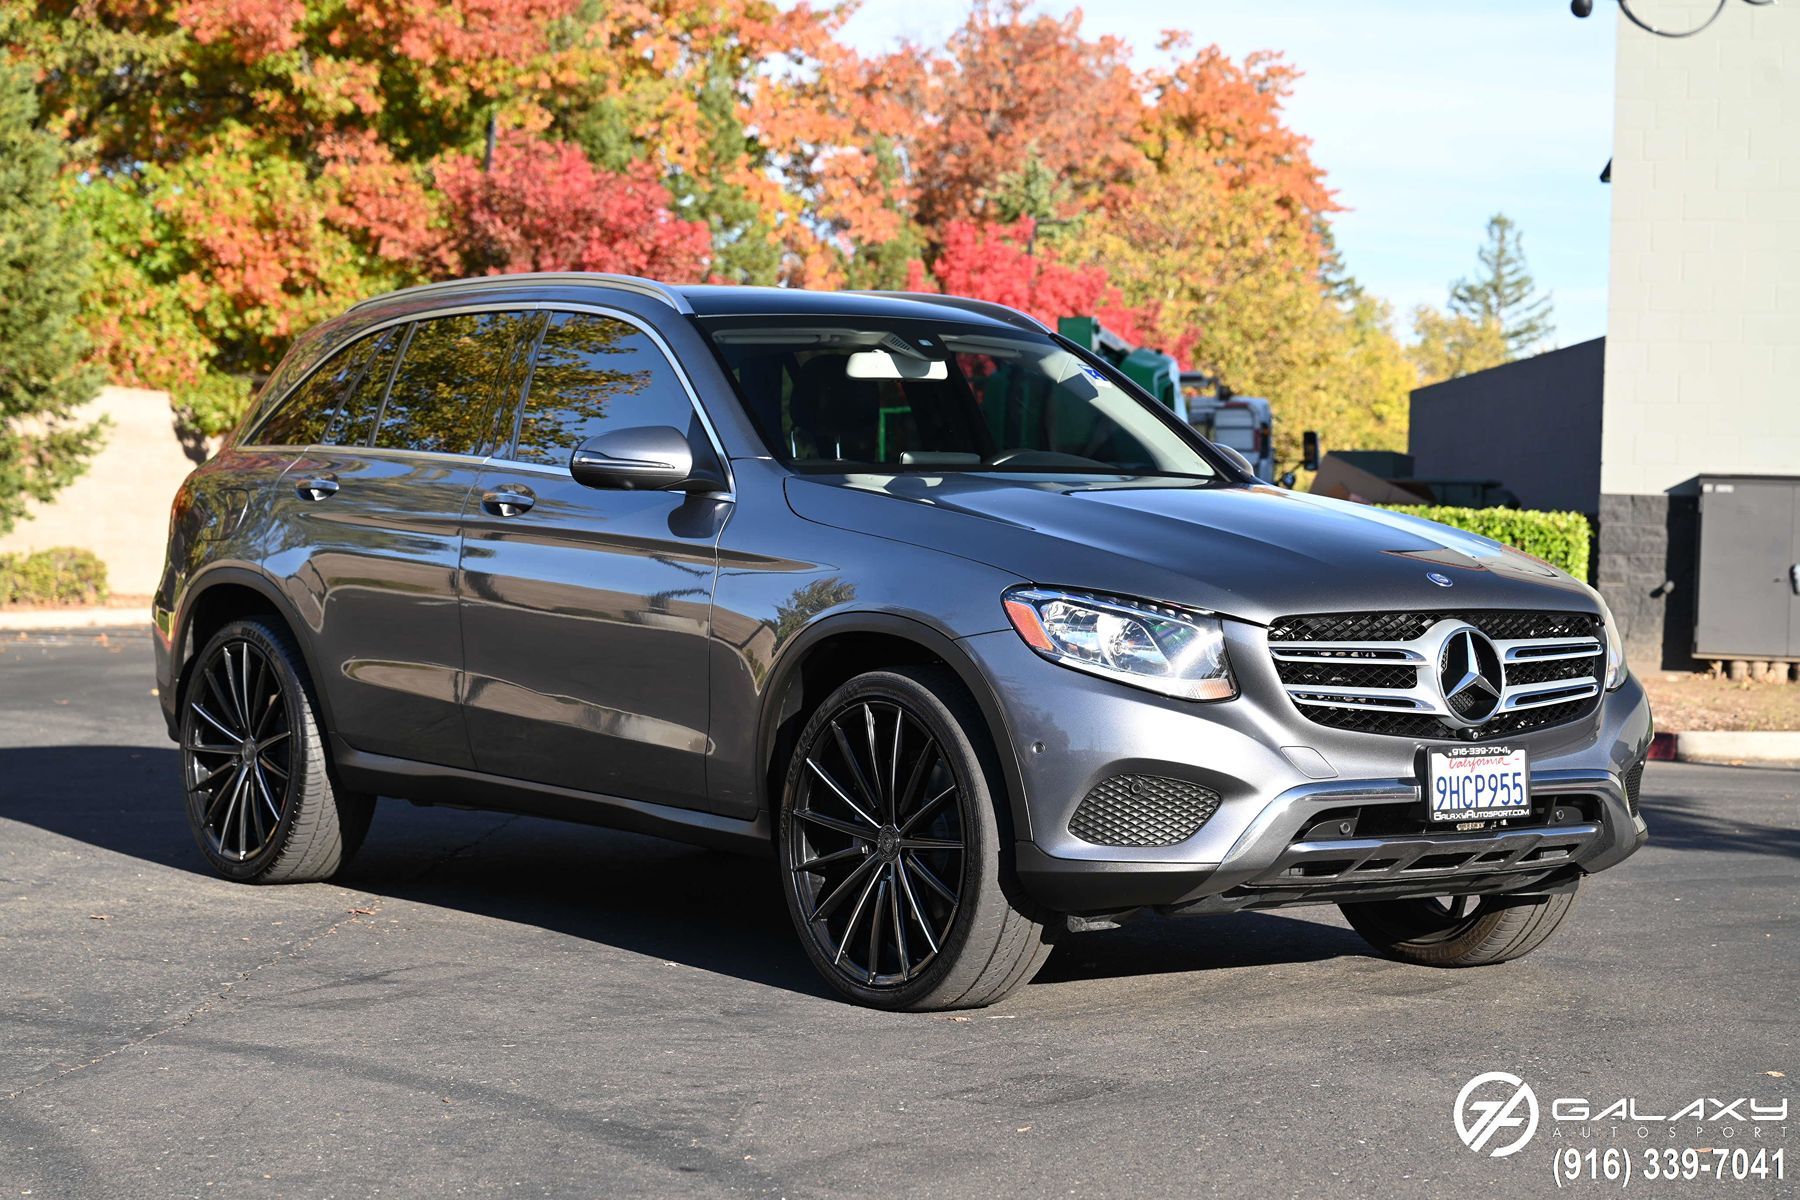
column 261, row 802
column 890, row 848
column 1459, row 931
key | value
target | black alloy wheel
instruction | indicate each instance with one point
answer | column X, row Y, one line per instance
column 262, row 800
column 238, row 749
column 876, row 843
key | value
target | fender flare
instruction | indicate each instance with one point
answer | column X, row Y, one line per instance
column 264, row 585
column 928, row 637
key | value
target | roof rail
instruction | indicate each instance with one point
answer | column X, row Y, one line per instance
column 986, row 308
column 623, row 283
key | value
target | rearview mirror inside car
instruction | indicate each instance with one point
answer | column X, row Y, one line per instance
column 879, row 364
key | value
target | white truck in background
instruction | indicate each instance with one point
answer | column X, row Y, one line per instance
column 1244, row 423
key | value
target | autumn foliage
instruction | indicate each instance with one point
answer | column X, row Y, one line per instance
column 249, row 166
column 542, row 206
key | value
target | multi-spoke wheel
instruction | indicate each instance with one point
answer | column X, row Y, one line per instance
column 259, row 797
column 240, row 750
column 1460, row 931
column 890, row 850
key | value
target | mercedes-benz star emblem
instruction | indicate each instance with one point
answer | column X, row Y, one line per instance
column 1469, row 673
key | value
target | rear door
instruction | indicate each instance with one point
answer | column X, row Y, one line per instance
column 585, row 612
column 379, row 522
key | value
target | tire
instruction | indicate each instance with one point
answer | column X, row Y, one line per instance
column 864, row 853
column 261, row 801
column 1459, row 931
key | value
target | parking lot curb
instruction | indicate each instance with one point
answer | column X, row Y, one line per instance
column 35, row 620
column 1771, row 746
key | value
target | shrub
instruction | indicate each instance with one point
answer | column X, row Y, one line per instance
column 1559, row 538
column 59, row 575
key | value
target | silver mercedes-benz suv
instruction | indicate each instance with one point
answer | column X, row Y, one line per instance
column 980, row 640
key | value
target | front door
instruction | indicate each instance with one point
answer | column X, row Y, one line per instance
column 586, row 613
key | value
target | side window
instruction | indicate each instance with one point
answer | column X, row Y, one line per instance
column 442, row 396
column 355, row 418
column 299, row 419
column 595, row 374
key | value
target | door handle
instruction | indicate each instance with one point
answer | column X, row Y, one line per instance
column 508, row 502
column 319, row 487
column 1794, row 578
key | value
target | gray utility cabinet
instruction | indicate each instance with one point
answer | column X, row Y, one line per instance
column 1748, row 605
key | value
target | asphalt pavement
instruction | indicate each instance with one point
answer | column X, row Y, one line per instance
column 486, row 1005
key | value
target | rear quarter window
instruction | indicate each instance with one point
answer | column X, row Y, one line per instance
column 300, row 418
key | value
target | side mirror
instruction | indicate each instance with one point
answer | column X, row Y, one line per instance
column 650, row 458
column 1309, row 450
column 1237, row 460
column 1288, row 479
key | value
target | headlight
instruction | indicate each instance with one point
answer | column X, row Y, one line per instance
column 1144, row 644
column 1615, row 648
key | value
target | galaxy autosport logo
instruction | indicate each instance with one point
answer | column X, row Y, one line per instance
column 1496, row 1114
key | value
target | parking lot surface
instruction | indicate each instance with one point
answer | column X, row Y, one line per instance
column 490, row 1005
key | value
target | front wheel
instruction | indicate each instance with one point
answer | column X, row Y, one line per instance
column 1459, row 931
column 890, row 847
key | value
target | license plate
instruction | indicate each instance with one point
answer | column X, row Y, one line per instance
column 1477, row 783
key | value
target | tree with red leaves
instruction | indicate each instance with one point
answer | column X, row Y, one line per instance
column 1001, row 263
column 544, row 207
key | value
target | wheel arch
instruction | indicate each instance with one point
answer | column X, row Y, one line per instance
column 839, row 647
column 228, row 593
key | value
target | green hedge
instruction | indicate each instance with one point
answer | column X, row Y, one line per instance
column 1559, row 538
column 59, row 575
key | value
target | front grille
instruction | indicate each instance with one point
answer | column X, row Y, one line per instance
column 1501, row 624
column 1634, row 779
column 1378, row 672
column 1143, row 810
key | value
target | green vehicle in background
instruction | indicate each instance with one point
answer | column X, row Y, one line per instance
column 1245, row 424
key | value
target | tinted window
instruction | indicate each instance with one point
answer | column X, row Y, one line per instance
column 441, row 399
column 355, row 419
column 300, row 418
column 595, row 374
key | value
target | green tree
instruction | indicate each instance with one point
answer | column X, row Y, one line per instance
column 44, row 372
column 1447, row 344
column 1503, row 292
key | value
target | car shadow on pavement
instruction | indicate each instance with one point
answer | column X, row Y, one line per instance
column 715, row 911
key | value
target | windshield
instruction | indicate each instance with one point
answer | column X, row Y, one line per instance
column 863, row 395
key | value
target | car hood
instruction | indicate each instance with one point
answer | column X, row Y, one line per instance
column 1254, row 552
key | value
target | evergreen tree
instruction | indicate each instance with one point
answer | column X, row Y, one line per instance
column 1503, row 293
column 44, row 372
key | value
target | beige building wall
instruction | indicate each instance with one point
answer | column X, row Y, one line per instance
column 119, row 508
column 1703, row 329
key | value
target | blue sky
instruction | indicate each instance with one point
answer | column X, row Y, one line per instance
column 1428, row 118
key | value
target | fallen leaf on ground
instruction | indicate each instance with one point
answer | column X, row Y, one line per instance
column 1776, row 1074
column 99, row 917
column 363, row 912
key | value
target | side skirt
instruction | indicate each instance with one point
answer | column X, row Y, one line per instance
column 453, row 787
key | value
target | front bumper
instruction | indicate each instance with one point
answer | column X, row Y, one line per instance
column 1277, row 774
